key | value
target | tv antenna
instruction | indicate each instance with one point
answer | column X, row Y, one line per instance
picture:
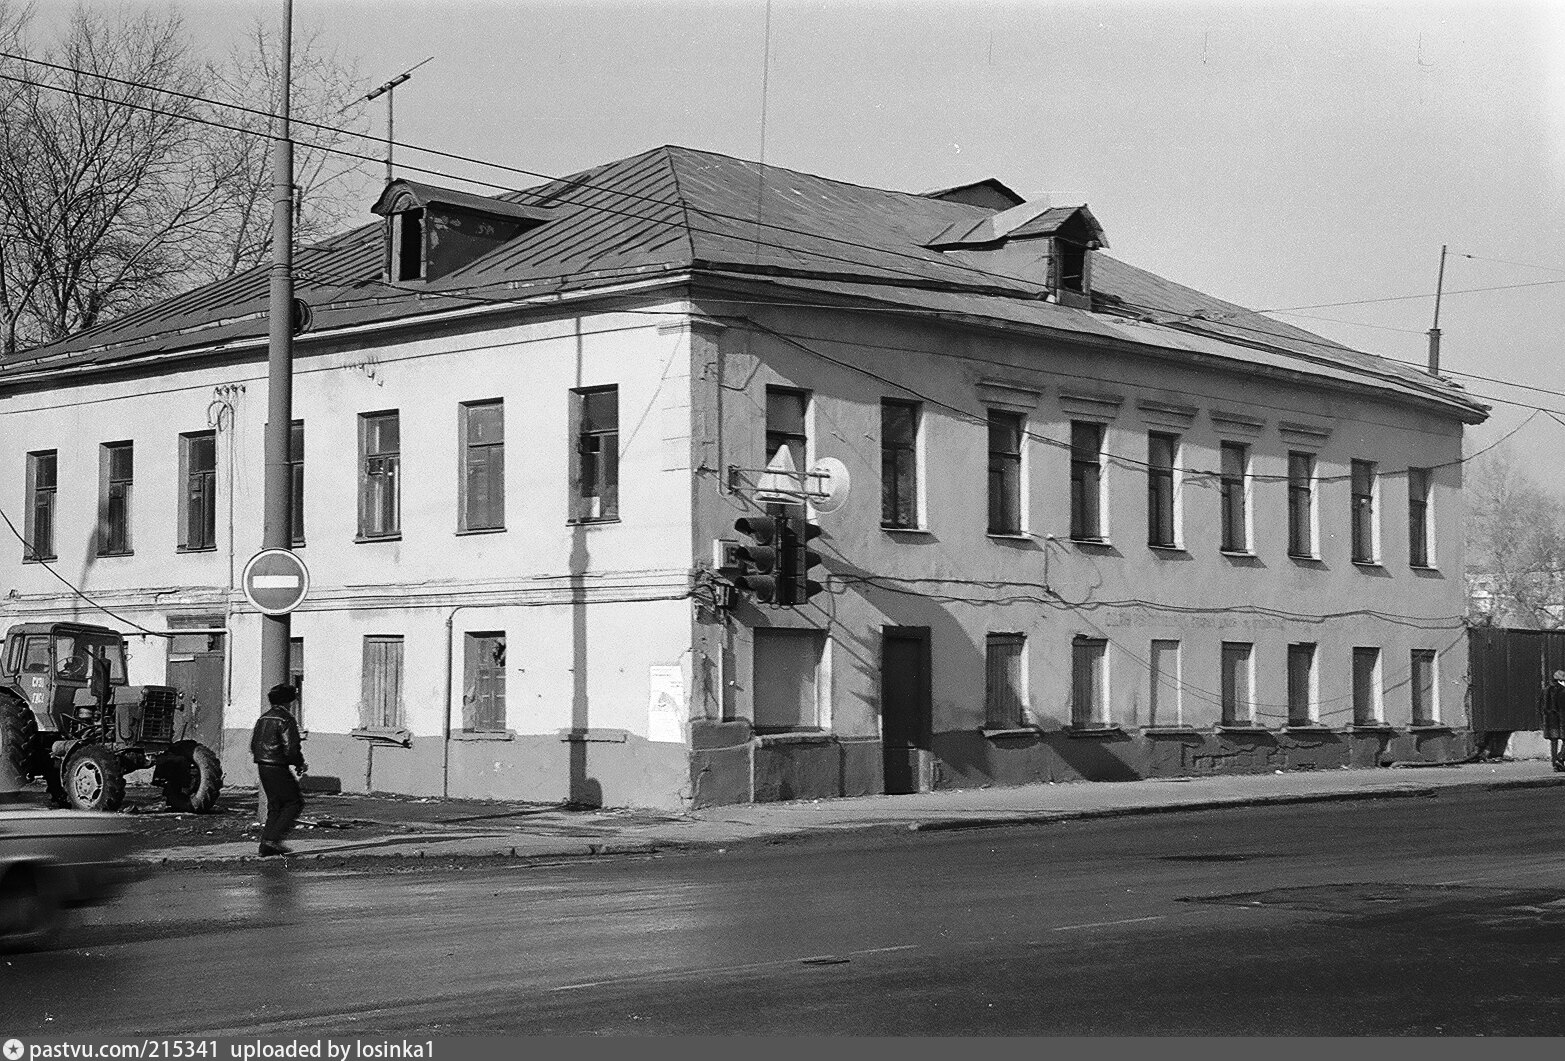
column 389, row 91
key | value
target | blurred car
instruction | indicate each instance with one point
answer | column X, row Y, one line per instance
column 53, row 860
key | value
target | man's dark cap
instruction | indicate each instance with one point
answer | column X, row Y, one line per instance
column 282, row 694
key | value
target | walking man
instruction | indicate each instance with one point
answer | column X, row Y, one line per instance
column 1552, row 706
column 275, row 747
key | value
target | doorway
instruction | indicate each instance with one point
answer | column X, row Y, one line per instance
column 905, row 719
column 196, row 670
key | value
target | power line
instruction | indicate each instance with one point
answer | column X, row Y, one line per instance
column 32, row 553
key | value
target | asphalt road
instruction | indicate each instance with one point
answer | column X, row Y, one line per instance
column 1409, row 916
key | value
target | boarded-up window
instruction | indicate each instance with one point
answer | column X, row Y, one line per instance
column 296, row 677
column 1426, row 707
column 198, row 477
column 1086, row 481
column 899, row 464
column 1302, row 699
column 116, row 472
column 1301, row 504
column 1234, row 459
column 1005, row 681
column 1160, row 489
column 1363, row 477
column 1238, row 699
column 1366, row 686
column 483, row 683
column 380, row 475
column 787, row 680
column 382, row 704
column 483, row 466
column 1005, row 472
column 1418, row 536
column 1089, row 683
column 42, row 482
column 595, row 457
column 296, row 481
column 1164, row 706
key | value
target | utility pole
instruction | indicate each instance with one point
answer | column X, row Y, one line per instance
column 389, row 91
column 277, row 528
column 1434, row 332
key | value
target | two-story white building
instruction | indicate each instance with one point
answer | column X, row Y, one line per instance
column 1095, row 524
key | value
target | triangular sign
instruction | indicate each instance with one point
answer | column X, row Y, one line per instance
column 780, row 482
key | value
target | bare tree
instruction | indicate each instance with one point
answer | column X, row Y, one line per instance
column 1515, row 546
column 125, row 177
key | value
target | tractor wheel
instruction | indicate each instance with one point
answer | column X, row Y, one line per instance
column 29, row 914
column 195, row 780
column 93, row 778
column 18, row 742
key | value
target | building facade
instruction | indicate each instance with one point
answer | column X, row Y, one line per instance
column 1093, row 525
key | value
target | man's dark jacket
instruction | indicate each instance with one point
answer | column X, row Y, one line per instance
column 275, row 740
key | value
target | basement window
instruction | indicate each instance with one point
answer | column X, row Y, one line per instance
column 407, row 245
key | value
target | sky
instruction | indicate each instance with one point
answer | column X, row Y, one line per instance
column 1305, row 156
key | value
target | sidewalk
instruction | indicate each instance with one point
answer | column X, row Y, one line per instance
column 358, row 826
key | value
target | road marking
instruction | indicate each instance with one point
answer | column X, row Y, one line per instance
column 1106, row 924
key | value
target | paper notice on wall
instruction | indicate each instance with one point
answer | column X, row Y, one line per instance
column 666, row 705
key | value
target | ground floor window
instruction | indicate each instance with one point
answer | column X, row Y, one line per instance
column 1366, row 687
column 1303, row 699
column 787, row 680
column 1238, row 683
column 483, row 684
column 1005, row 697
column 296, row 677
column 381, row 707
column 1164, row 707
column 1426, row 708
column 1089, row 683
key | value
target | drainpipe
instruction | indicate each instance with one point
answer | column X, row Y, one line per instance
column 445, row 747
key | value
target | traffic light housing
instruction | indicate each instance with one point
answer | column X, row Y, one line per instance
column 757, row 565
column 801, row 561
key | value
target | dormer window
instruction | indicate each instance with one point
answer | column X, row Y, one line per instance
column 1070, row 266
column 407, row 245
column 1048, row 244
column 433, row 232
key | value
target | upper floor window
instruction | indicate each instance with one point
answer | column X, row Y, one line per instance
column 899, row 423
column 116, row 474
column 1005, row 472
column 1005, row 696
column 482, row 486
column 1086, row 481
column 198, row 479
column 1234, row 484
column 1364, row 487
column 42, row 483
column 1419, row 529
column 785, row 425
column 296, row 482
column 380, row 475
column 595, row 457
column 1162, row 452
column 1301, row 504
column 407, row 245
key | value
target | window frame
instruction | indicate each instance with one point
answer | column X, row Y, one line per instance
column 197, row 518
column 490, row 461
column 601, row 445
column 296, row 483
column 1303, row 533
column 475, row 671
column 408, row 234
column 1090, row 661
column 792, row 430
column 901, row 467
column 1368, row 699
column 1086, row 487
column 296, row 678
column 1424, row 695
column 1364, row 512
column 41, row 510
column 373, row 500
column 376, row 718
column 1234, row 499
column 1303, row 703
column 1162, row 491
column 1420, row 528
column 1160, row 684
column 1005, row 701
column 1236, row 663
column 1005, row 470
column 114, row 537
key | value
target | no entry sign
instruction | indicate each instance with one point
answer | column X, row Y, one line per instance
column 275, row 581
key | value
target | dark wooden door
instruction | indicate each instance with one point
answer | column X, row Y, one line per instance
column 199, row 679
column 905, row 722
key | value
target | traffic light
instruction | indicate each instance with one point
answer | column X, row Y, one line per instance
column 756, row 567
column 800, row 561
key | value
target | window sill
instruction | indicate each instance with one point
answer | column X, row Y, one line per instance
column 1375, row 564
column 1370, row 727
column 462, row 532
column 585, row 521
column 296, row 545
column 1304, row 558
column 905, row 530
column 383, row 735
column 797, row 737
column 1431, row 727
column 1241, row 727
column 39, row 559
column 1306, row 727
column 1155, row 731
column 1002, row 732
column 595, row 736
column 195, row 549
column 1239, row 554
column 1094, row 731
column 482, row 735
column 1424, row 569
column 1179, row 549
column 1092, row 543
column 108, row 556
column 1010, row 536
column 364, row 539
